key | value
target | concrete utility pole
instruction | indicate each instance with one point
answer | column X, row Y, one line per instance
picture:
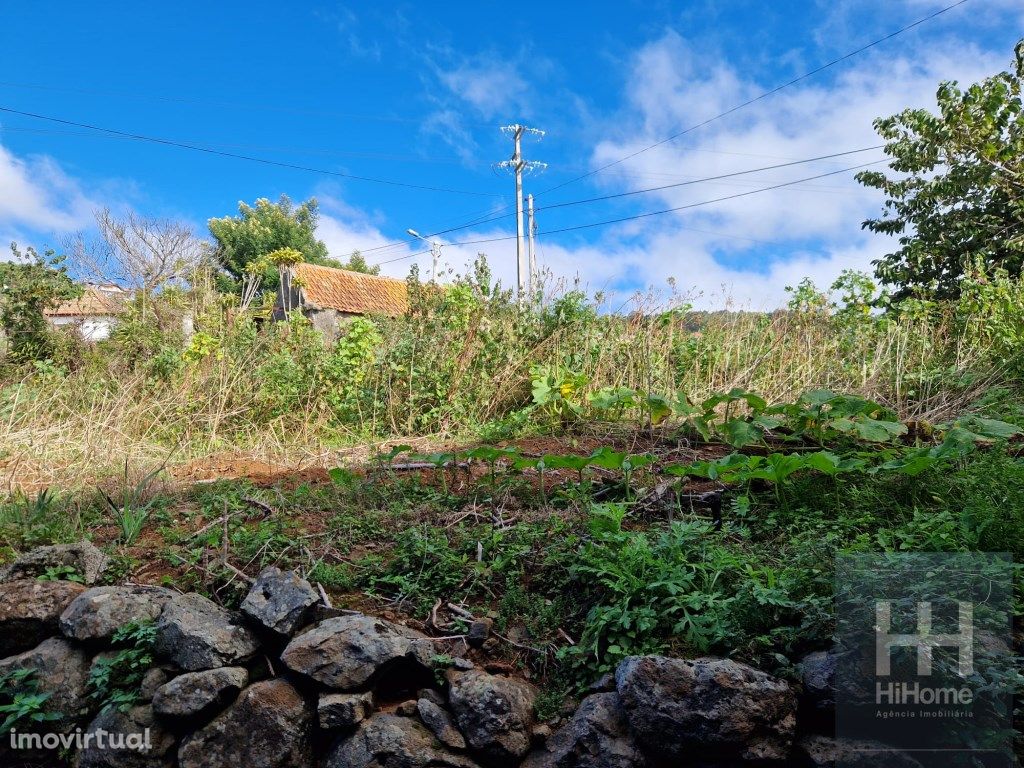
column 435, row 252
column 517, row 164
column 531, row 227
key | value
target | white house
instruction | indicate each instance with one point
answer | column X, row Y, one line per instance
column 93, row 314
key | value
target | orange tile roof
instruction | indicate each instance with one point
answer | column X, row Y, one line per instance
column 354, row 292
column 92, row 302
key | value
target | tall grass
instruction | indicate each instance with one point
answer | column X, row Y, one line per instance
column 459, row 363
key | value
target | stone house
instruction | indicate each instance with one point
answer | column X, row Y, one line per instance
column 327, row 296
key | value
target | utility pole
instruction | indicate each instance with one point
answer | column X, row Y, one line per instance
column 531, row 227
column 435, row 255
column 517, row 164
column 435, row 252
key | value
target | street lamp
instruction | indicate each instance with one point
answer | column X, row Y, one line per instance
column 435, row 251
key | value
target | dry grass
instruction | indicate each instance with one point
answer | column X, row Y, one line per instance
column 71, row 431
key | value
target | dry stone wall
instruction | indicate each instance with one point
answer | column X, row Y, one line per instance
column 286, row 682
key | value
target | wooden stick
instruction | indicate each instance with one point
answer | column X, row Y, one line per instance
column 259, row 504
column 519, row 645
column 460, row 611
column 323, row 595
column 209, row 525
column 238, row 573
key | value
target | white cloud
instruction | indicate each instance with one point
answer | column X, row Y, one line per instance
column 39, row 199
column 447, row 125
column 484, row 90
column 490, row 86
column 348, row 25
column 808, row 230
column 671, row 88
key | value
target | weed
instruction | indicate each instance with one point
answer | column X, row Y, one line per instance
column 550, row 701
column 30, row 521
column 441, row 663
column 114, row 679
column 336, row 576
column 425, row 566
column 61, row 573
column 133, row 511
column 21, row 704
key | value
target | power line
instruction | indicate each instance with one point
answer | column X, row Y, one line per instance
column 729, row 111
column 233, row 145
column 495, row 216
column 480, row 219
column 708, row 202
column 250, row 158
column 708, row 178
column 262, row 106
column 758, row 98
column 705, row 179
column 403, row 258
column 648, row 214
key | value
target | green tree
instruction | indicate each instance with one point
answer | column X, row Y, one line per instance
column 263, row 228
column 29, row 285
column 857, row 293
column 358, row 263
column 805, row 298
column 956, row 195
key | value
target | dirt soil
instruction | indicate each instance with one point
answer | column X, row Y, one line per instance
column 241, row 467
column 265, row 474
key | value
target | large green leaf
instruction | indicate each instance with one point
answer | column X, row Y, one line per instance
column 556, row 461
column 871, row 430
column 818, row 396
column 542, row 391
column 638, row 461
column 990, row 429
column 659, row 408
column 740, row 432
column 608, row 398
column 607, row 458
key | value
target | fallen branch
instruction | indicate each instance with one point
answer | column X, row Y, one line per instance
column 211, row 524
column 323, row 595
column 461, row 612
column 411, row 465
column 519, row 645
column 259, row 504
column 247, row 579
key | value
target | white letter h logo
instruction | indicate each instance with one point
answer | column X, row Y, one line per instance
column 924, row 640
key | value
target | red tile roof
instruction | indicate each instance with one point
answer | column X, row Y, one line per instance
column 353, row 292
column 92, row 302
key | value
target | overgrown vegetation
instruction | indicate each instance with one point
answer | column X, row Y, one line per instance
column 598, row 483
column 22, row 706
column 114, row 679
column 469, row 360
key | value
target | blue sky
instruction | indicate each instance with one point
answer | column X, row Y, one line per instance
column 416, row 93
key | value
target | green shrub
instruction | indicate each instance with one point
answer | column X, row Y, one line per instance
column 21, row 704
column 114, row 680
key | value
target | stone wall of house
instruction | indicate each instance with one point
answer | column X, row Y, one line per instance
column 329, row 322
column 289, row 682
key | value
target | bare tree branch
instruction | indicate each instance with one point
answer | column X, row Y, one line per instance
column 145, row 254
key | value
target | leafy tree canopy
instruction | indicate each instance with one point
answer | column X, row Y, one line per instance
column 30, row 284
column 264, row 228
column 358, row 263
column 957, row 196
